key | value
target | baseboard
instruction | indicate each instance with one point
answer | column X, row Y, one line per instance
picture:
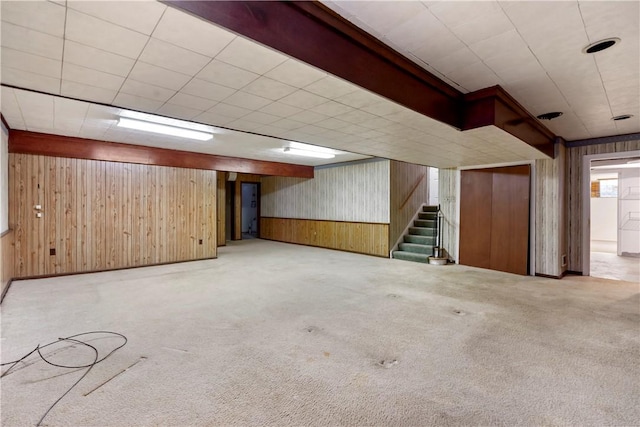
column 549, row 276
column 48, row 276
column 6, row 289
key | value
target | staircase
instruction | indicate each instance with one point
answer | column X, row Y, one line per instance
column 419, row 242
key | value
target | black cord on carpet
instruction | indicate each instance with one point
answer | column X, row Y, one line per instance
column 72, row 339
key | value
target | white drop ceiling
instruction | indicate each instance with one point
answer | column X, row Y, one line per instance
column 145, row 56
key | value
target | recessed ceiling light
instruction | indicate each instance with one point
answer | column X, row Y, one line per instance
column 622, row 117
column 550, row 116
column 600, row 45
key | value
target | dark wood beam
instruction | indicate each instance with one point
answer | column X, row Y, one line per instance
column 4, row 122
column 313, row 33
column 493, row 106
column 25, row 142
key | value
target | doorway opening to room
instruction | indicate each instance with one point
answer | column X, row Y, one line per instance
column 250, row 210
column 614, row 218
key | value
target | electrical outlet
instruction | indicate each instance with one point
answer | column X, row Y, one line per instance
column 200, row 241
column 564, row 260
column 52, row 251
column 38, row 214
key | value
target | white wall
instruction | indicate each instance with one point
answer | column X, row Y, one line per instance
column 4, row 181
column 604, row 218
column 629, row 194
column 433, row 187
column 353, row 192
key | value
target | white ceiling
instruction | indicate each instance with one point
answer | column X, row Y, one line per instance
column 533, row 49
column 145, row 56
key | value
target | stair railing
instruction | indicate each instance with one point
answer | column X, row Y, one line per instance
column 437, row 250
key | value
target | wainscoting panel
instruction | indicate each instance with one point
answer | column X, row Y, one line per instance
column 221, row 209
column 352, row 193
column 409, row 190
column 6, row 259
column 574, row 193
column 365, row 238
column 99, row 215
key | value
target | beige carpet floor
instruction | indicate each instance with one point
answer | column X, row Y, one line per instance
column 275, row 334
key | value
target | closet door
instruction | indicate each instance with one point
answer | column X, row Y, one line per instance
column 494, row 218
column 510, row 219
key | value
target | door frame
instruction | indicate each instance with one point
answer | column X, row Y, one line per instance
column 586, row 201
column 532, row 207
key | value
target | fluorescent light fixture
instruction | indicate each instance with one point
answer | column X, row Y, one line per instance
column 621, row 166
column 307, row 153
column 308, row 147
column 163, row 129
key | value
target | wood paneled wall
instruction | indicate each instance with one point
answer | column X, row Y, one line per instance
column 353, row 193
column 551, row 214
column 409, row 190
column 365, row 238
column 575, row 156
column 221, row 197
column 447, row 196
column 6, row 260
column 101, row 215
column 237, row 211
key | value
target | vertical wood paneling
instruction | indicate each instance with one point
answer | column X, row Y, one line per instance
column 551, row 214
column 574, row 200
column 221, row 209
column 352, row 193
column 408, row 191
column 365, row 238
column 104, row 215
column 448, row 193
column 6, row 259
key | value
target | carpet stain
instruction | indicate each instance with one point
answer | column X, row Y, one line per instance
column 388, row 363
column 142, row 358
column 176, row 349
column 393, row 296
column 459, row 312
column 327, row 354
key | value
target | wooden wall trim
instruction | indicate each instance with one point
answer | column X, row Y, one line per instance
column 494, row 106
column 603, row 140
column 25, row 142
column 313, row 33
column 328, row 220
column 369, row 239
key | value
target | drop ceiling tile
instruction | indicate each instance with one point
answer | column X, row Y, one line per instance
column 312, row 130
column 456, row 60
column 87, row 93
column 288, row 124
column 44, row 17
column 25, row 79
column 308, row 117
column 140, row 16
column 103, row 35
column 359, row 99
column 144, row 90
column 475, row 76
column 357, row 116
column 172, row 57
column 157, row 76
column 332, row 109
column 331, row 87
column 281, row 110
column 29, row 62
column 37, row 109
column 178, row 111
column 101, row 60
column 413, row 33
column 138, row 103
column 203, row 89
column 226, row 75
column 250, row 56
column 190, row 101
column 482, row 27
column 69, row 113
column 244, row 125
column 192, row 33
column 383, row 108
column 295, row 73
column 31, row 41
column 87, row 76
column 246, row 100
column 303, row 99
column 262, row 118
column 353, row 129
column 332, row 123
column 229, row 110
column 214, row 119
column 268, row 88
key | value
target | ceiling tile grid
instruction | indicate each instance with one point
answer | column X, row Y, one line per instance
column 173, row 64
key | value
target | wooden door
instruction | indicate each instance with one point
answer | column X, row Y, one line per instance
column 494, row 218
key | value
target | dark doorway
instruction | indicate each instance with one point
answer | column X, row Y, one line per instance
column 250, row 210
column 494, row 218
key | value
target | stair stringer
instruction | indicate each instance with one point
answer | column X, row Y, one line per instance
column 406, row 229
